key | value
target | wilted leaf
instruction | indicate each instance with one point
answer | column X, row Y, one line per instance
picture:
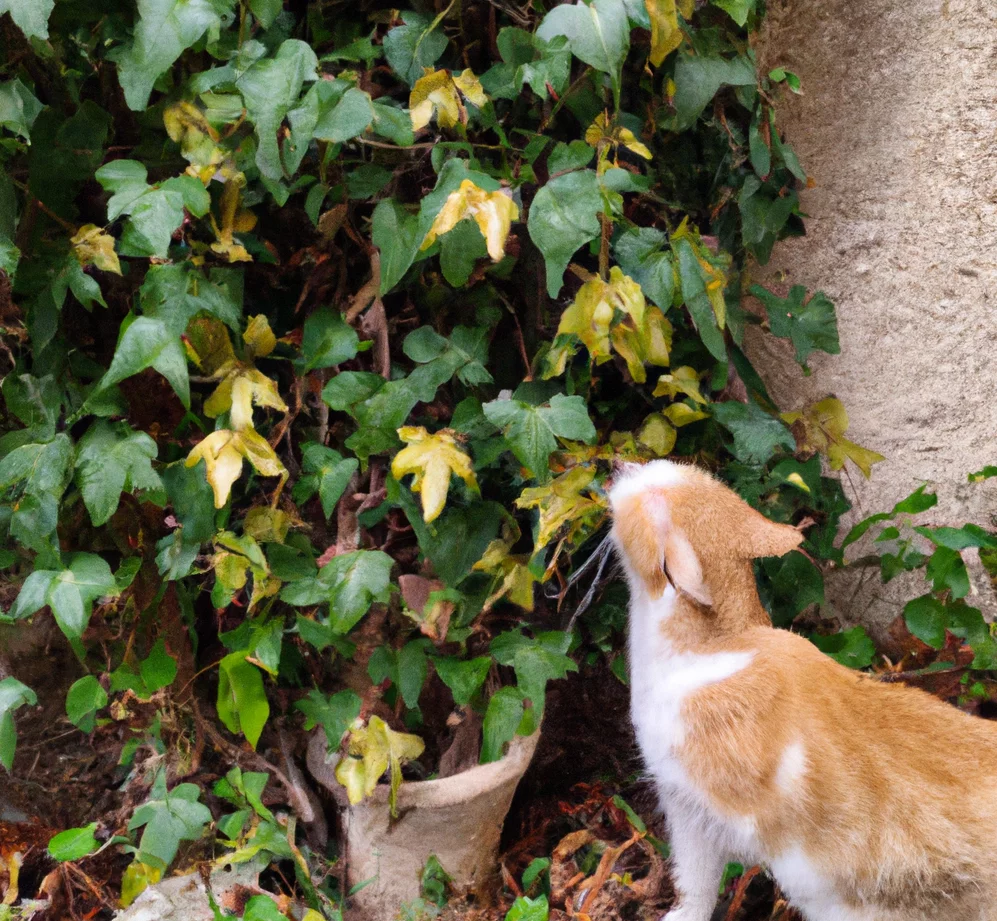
column 223, row 452
column 516, row 578
column 92, row 246
column 569, row 501
column 493, row 212
column 615, row 135
column 432, row 458
column 684, row 380
column 439, row 93
column 821, row 428
column 374, row 749
column 666, row 35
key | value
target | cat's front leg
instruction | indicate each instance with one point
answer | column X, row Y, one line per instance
column 698, row 863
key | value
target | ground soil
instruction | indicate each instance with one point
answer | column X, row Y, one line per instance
column 897, row 127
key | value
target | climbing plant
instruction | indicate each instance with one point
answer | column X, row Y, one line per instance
column 322, row 325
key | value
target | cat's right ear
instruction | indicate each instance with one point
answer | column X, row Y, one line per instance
column 656, row 550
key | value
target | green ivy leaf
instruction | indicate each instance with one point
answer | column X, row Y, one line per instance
column 416, row 44
column 564, row 216
column 738, row 10
column 327, row 340
column 697, row 298
column 527, row 909
column 70, row 592
column 810, row 326
column 598, row 34
column 242, row 699
column 413, row 667
column 262, row 908
column 149, row 343
column 165, row 29
column 30, row 16
column 917, row 502
column 852, row 647
column 639, row 251
column 112, row 458
column 177, row 293
column 84, row 699
column 350, row 117
column 757, row 435
column 532, row 431
column 13, row 694
column 18, row 108
column 158, row 670
column 502, row 719
column 927, row 619
column 334, row 713
column 969, row 535
column 266, row 11
column 395, row 233
column 463, row 676
column 167, row 818
column 326, row 472
column 74, row 843
column 270, row 88
column 698, row 78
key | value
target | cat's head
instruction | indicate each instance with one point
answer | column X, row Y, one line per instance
column 674, row 523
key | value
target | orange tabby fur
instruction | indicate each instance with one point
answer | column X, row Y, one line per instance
column 869, row 802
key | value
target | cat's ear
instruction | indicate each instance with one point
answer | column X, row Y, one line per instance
column 752, row 535
column 656, row 550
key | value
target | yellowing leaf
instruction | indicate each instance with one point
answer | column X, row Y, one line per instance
column 493, row 212
column 198, row 140
column 648, row 343
column 223, row 452
column 437, row 91
column 92, row 246
column 679, row 414
column 208, row 345
column 683, row 380
column 821, row 428
column 666, row 35
column 137, row 878
column 238, row 391
column 372, row 750
column 259, row 337
column 434, row 92
column 517, row 580
column 616, row 135
column 658, row 434
column 431, row 458
column 235, row 219
column 567, row 501
column 470, row 88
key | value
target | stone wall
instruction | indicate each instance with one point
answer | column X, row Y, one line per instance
column 898, row 129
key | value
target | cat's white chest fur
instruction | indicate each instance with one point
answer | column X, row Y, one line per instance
column 662, row 681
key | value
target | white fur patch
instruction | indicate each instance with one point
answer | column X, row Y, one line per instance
column 654, row 475
column 792, row 767
column 811, row 892
column 662, row 681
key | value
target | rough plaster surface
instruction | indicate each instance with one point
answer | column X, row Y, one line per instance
column 898, row 129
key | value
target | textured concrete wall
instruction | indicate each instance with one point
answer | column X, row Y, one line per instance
column 898, row 129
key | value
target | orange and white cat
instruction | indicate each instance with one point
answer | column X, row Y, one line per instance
column 866, row 801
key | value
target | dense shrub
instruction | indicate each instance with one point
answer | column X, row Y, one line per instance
column 323, row 324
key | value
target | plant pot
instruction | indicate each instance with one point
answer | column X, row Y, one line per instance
column 458, row 819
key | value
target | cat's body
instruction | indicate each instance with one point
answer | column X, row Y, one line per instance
column 867, row 801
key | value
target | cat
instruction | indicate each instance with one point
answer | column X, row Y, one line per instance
column 865, row 801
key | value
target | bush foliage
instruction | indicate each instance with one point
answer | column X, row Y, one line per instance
column 323, row 323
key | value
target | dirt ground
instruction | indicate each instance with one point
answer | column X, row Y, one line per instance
column 898, row 129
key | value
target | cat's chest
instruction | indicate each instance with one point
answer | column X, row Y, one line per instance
column 663, row 682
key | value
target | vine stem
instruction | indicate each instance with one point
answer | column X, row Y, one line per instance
column 607, row 227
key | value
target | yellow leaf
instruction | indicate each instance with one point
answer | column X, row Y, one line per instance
column 658, row 434
column 373, row 749
column 223, row 452
column 679, row 414
column 687, row 8
column 601, row 130
column 821, row 428
column 208, row 345
column 683, row 380
column 647, row 343
column 198, row 140
column 92, row 246
column 239, row 390
column 568, row 500
column 666, row 35
column 235, row 219
column 435, row 91
column 470, row 88
column 268, row 524
column 432, row 459
column 493, row 212
column 259, row 337
column 517, row 580
column 137, row 878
